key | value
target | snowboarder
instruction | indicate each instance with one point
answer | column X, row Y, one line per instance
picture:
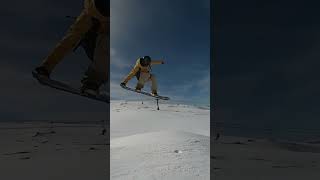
column 142, row 71
column 91, row 31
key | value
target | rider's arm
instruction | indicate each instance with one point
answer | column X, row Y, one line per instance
column 153, row 62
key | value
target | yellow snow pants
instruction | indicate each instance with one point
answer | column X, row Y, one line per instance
column 78, row 29
column 145, row 77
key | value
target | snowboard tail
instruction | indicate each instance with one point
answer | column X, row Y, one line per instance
column 67, row 88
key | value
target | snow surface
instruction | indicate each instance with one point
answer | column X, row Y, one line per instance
column 37, row 151
column 172, row 143
column 252, row 159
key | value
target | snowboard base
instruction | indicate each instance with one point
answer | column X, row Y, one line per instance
column 65, row 87
column 145, row 93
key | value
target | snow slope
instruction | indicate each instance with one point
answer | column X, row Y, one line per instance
column 128, row 118
column 160, row 155
column 172, row 143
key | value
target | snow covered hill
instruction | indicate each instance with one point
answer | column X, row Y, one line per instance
column 160, row 155
column 172, row 143
column 128, row 118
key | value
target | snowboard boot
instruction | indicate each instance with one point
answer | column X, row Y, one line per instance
column 154, row 93
column 90, row 87
column 42, row 71
column 139, row 87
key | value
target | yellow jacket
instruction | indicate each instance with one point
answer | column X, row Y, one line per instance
column 138, row 67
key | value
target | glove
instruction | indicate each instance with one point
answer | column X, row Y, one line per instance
column 123, row 84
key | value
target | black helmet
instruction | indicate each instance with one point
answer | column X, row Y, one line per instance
column 145, row 61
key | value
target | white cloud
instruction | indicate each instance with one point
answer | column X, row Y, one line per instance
column 196, row 90
column 203, row 84
column 113, row 52
column 120, row 63
column 120, row 11
column 117, row 61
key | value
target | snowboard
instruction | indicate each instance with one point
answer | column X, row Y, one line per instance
column 145, row 93
column 67, row 88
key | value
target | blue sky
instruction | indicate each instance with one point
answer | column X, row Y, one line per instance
column 177, row 31
column 171, row 30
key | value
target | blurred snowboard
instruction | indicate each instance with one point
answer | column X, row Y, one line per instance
column 104, row 97
column 145, row 93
